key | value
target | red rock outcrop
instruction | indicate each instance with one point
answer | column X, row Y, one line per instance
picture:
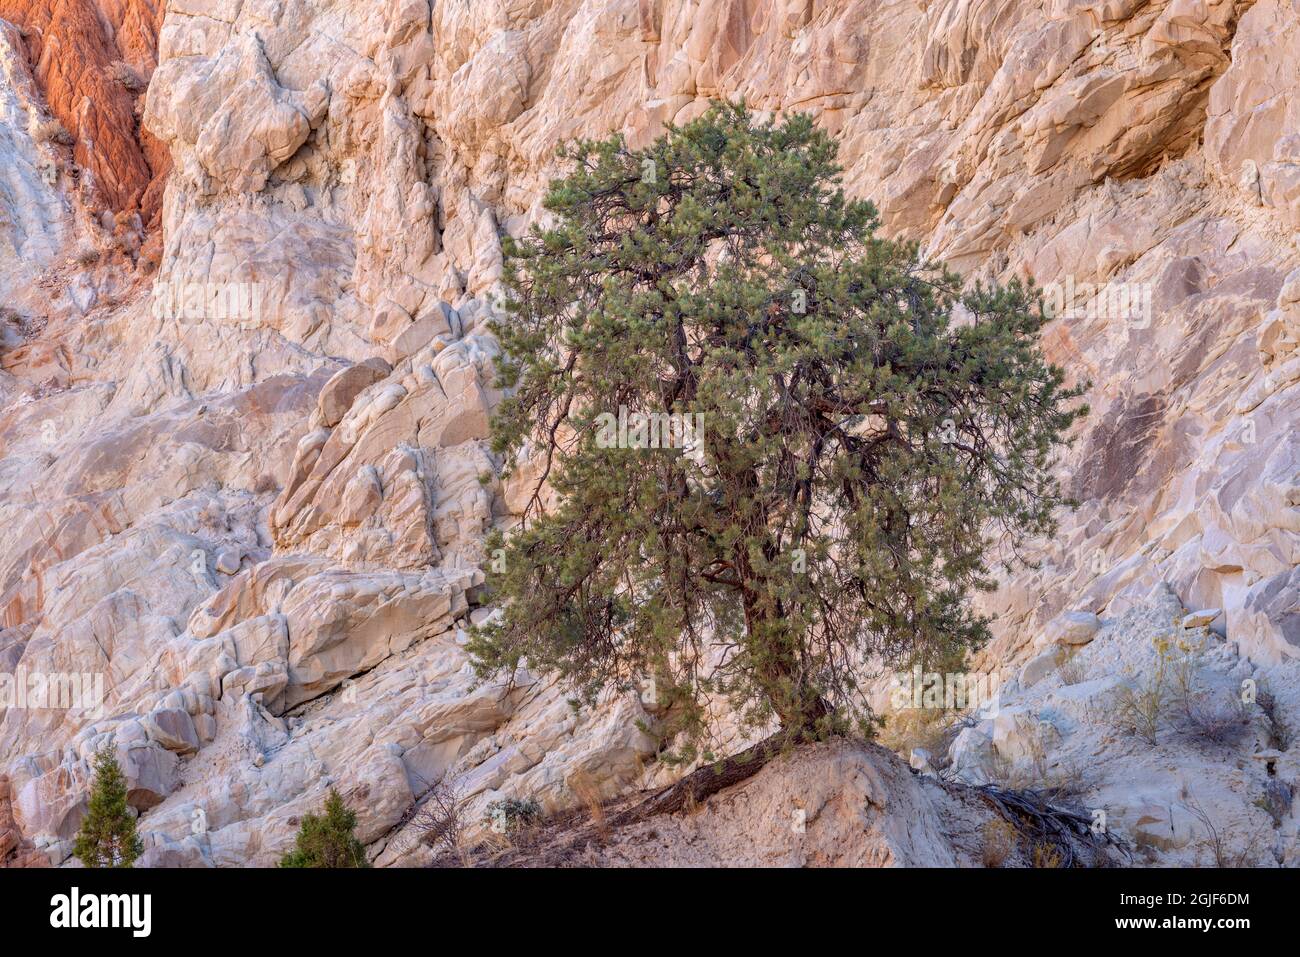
column 14, row 850
column 93, row 59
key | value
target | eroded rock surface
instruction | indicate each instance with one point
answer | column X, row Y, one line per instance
column 93, row 61
column 263, row 526
column 1175, row 736
column 836, row 804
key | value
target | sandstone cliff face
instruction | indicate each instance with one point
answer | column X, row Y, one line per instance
column 262, row 524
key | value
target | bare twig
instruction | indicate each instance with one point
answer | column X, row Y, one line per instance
column 440, row 820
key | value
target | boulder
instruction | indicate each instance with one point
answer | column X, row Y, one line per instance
column 173, row 729
column 151, row 774
column 1040, row 666
column 1021, row 736
column 440, row 323
column 344, row 386
column 1072, row 628
column 228, row 560
column 1201, row 618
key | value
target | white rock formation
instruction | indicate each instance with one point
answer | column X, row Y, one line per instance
column 264, row 530
column 33, row 214
column 1217, row 759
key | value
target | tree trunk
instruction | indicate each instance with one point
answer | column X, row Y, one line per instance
column 796, row 703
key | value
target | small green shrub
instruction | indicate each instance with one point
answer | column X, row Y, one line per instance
column 107, row 837
column 328, row 840
column 510, row 814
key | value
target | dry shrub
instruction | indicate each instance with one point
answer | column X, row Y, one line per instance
column 1203, row 716
column 1141, row 705
column 1139, row 709
column 49, row 131
column 587, row 791
column 1071, row 670
column 128, row 76
column 1047, row 856
column 1215, row 841
column 1215, row 720
column 441, row 821
column 212, row 515
column 1061, row 780
column 999, row 836
column 1064, row 781
column 1027, row 774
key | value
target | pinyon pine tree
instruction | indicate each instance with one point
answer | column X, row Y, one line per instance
column 107, row 837
column 870, row 432
column 328, row 840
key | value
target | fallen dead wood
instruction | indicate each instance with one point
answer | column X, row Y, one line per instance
column 703, row 782
column 562, row 839
column 1065, row 828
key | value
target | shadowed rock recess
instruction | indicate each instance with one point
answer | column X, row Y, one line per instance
column 262, row 534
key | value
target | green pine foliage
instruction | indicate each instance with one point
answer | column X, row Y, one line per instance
column 864, row 459
column 328, row 839
column 107, row 837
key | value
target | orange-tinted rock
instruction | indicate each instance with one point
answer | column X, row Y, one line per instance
column 14, row 850
column 92, row 59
